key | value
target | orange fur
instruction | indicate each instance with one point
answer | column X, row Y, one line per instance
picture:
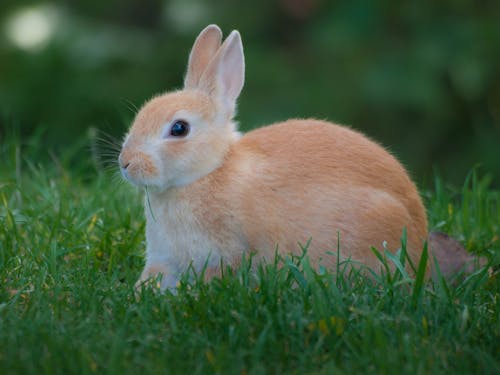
column 304, row 179
column 218, row 195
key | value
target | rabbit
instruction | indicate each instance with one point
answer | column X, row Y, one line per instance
column 215, row 195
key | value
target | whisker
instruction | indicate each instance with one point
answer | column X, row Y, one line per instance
column 104, row 149
column 131, row 106
column 108, row 140
column 118, row 179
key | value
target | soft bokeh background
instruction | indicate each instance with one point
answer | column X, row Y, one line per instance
column 421, row 77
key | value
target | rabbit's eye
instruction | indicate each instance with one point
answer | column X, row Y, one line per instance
column 180, row 128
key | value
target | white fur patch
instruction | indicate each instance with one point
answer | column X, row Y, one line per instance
column 175, row 239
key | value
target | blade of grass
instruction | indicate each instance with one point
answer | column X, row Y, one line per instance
column 420, row 277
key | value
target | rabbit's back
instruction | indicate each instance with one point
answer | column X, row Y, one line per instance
column 302, row 179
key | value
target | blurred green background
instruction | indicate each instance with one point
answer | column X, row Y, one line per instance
column 423, row 78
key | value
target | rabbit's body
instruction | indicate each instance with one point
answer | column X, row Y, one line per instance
column 281, row 185
column 215, row 194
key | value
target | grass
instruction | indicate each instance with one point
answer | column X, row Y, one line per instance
column 71, row 243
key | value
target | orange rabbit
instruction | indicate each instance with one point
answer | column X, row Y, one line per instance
column 216, row 194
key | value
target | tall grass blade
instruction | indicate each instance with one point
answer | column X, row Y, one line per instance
column 420, row 276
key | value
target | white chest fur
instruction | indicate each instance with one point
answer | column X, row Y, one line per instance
column 175, row 237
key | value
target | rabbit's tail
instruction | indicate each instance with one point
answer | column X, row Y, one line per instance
column 451, row 257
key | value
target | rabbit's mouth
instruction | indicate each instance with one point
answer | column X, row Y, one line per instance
column 139, row 178
column 130, row 178
column 126, row 175
column 137, row 168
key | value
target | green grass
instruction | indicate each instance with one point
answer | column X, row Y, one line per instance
column 71, row 244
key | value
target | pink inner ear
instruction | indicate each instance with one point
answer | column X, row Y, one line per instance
column 231, row 69
column 232, row 74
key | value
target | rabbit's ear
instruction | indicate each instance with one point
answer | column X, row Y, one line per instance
column 225, row 75
column 204, row 49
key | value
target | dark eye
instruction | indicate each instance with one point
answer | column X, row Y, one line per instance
column 179, row 128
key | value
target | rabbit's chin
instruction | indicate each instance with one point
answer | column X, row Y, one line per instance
column 158, row 186
column 151, row 185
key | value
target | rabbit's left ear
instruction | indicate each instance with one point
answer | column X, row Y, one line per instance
column 204, row 49
column 225, row 74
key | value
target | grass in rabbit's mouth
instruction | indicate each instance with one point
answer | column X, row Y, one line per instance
column 71, row 244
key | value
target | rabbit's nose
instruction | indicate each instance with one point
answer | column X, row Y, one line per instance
column 123, row 161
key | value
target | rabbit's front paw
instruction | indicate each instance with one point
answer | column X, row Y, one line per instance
column 157, row 277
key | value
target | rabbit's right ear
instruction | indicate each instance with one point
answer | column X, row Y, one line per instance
column 204, row 49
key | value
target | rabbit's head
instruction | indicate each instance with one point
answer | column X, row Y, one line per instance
column 179, row 137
